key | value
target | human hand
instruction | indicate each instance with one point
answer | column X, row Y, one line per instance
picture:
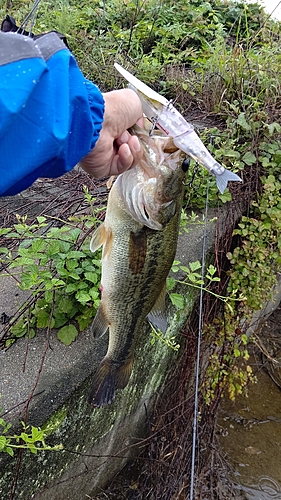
column 116, row 150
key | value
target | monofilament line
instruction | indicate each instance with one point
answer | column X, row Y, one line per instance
column 195, row 418
column 31, row 16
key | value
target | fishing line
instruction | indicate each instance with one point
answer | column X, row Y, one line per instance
column 200, row 322
column 30, row 16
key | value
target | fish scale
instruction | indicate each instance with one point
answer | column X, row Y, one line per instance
column 136, row 259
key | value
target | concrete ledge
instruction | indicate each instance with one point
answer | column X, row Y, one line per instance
column 97, row 443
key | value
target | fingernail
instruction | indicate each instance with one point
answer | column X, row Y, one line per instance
column 137, row 146
column 126, row 150
column 124, row 137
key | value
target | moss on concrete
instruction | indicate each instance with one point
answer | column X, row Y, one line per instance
column 97, row 442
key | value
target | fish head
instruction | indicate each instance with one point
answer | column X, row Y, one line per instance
column 150, row 190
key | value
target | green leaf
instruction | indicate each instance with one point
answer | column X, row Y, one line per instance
column 43, row 319
column 65, row 305
column 53, row 248
column 170, row 283
column 3, row 442
column 5, row 230
column 85, row 318
column 74, row 233
column 94, row 292
column 41, row 219
column 38, row 245
column 25, row 437
column 71, row 264
column 249, row 158
column 19, row 329
column 93, row 277
column 244, row 339
column 226, row 196
column 48, row 296
column 64, row 246
column 74, row 276
column 67, row 334
column 212, row 270
column 83, row 297
column 75, row 254
column 72, row 287
column 31, row 333
column 185, row 269
column 22, row 261
column 57, row 282
column 194, row 266
column 60, row 319
column 37, row 434
column 177, row 300
column 2, row 422
column 241, row 120
column 4, row 250
column 274, row 126
column 32, row 448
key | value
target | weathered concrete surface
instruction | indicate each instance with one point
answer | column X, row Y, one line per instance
column 97, row 442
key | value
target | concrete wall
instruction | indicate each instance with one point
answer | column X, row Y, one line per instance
column 97, row 442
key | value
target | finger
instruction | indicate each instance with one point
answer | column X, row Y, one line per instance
column 124, row 138
column 128, row 156
column 123, row 160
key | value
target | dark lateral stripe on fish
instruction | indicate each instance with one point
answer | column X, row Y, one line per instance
column 137, row 250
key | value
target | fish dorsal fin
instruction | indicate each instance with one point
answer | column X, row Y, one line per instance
column 99, row 238
column 100, row 323
column 157, row 316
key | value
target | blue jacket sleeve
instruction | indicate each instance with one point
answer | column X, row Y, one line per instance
column 50, row 115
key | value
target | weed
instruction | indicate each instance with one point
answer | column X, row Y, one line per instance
column 57, row 267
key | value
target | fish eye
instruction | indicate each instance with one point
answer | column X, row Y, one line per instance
column 185, row 164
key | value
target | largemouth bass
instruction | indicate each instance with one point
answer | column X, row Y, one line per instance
column 139, row 237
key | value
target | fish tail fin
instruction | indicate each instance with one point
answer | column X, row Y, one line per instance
column 223, row 179
column 124, row 372
column 107, row 380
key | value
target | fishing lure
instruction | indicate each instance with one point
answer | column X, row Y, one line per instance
column 167, row 118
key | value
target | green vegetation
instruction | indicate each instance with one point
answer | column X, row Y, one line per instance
column 55, row 264
column 32, row 439
column 219, row 61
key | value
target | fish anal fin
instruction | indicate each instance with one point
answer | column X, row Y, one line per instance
column 100, row 323
column 99, row 238
column 157, row 316
column 108, row 378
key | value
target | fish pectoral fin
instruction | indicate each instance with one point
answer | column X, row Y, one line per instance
column 99, row 238
column 107, row 380
column 100, row 323
column 157, row 316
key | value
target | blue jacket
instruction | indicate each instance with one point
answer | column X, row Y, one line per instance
column 50, row 115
